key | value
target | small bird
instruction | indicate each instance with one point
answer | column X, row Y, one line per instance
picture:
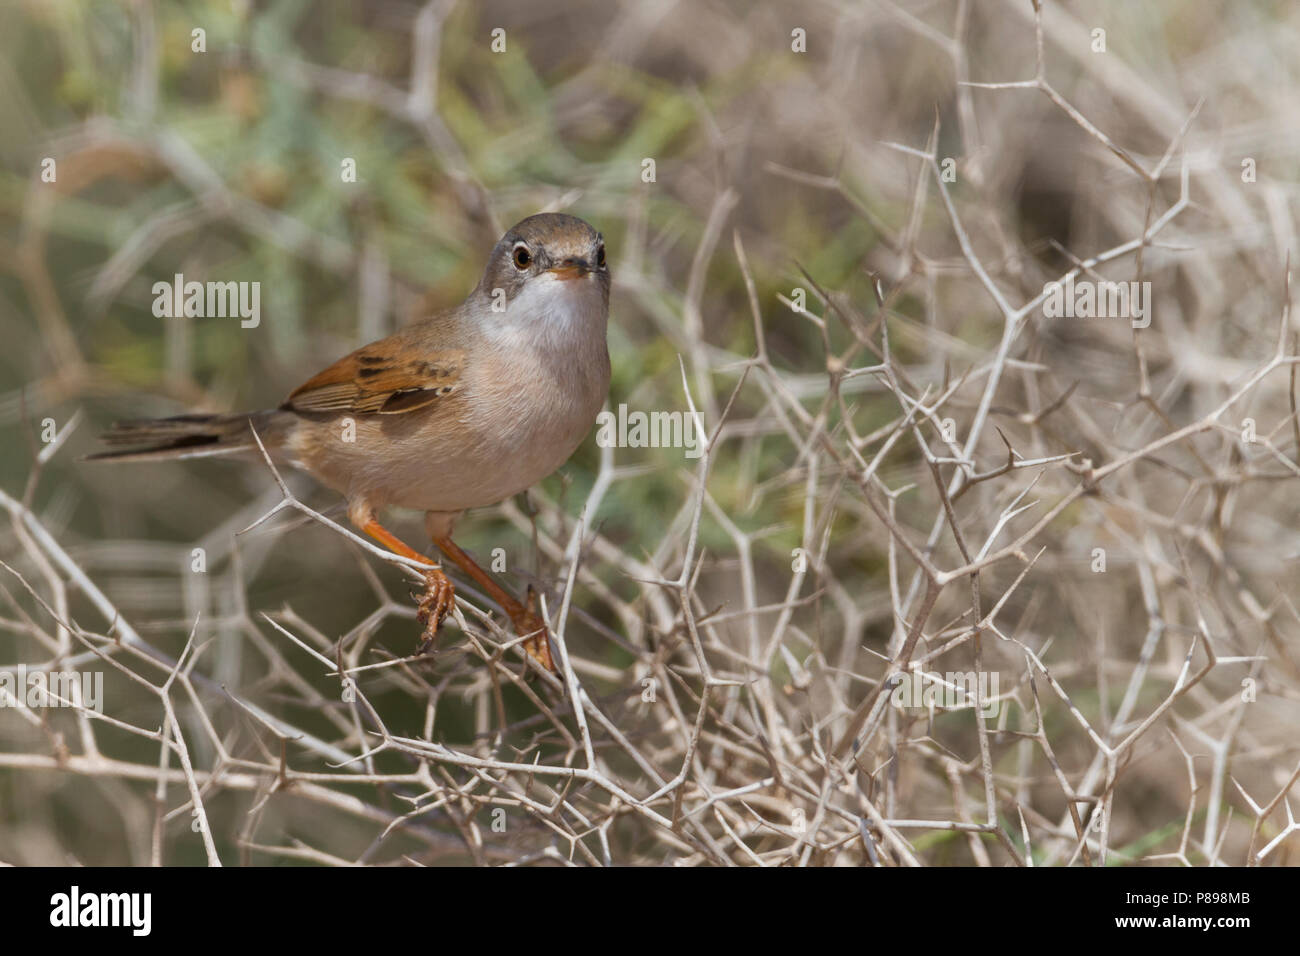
column 458, row 410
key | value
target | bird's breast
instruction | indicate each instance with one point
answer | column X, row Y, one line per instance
column 534, row 407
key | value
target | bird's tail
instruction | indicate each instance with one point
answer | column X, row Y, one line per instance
column 188, row 436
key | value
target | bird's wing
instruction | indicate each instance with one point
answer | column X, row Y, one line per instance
column 384, row 378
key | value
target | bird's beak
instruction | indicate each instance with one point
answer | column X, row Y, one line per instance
column 570, row 269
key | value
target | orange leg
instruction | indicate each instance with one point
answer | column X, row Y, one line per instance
column 440, row 596
column 525, row 619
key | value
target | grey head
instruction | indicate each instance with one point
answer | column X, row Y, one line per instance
column 550, row 245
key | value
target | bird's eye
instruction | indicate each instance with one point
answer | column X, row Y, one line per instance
column 522, row 257
column 600, row 257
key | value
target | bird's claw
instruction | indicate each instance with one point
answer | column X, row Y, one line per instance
column 439, row 598
column 529, row 625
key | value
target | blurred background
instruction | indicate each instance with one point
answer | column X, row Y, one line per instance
column 817, row 216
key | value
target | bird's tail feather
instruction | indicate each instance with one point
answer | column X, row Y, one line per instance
column 184, row 436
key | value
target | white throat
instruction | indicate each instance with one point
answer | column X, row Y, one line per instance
column 553, row 314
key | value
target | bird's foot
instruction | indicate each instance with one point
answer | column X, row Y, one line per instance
column 529, row 625
column 439, row 598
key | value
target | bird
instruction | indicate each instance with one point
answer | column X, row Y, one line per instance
column 460, row 409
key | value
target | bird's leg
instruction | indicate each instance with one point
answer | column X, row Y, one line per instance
column 527, row 623
column 439, row 595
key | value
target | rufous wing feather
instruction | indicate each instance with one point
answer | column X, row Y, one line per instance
column 375, row 380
